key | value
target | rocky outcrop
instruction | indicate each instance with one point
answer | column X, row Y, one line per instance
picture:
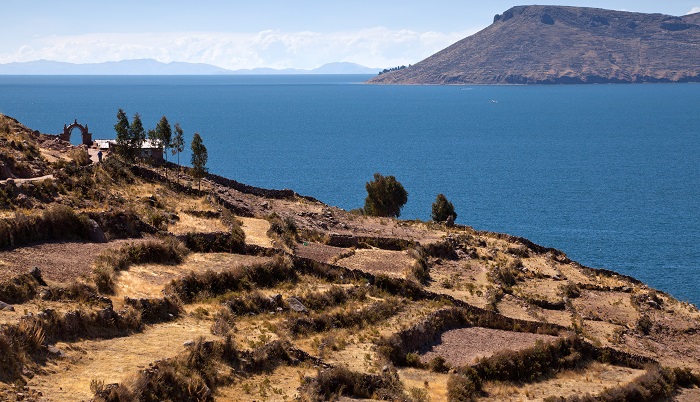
column 565, row 45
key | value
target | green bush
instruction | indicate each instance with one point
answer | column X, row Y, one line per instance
column 385, row 196
column 443, row 209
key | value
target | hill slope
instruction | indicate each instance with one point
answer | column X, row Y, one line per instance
column 126, row 282
column 553, row 44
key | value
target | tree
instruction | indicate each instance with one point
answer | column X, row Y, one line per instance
column 443, row 209
column 137, row 135
column 385, row 196
column 122, row 129
column 199, row 158
column 163, row 135
column 178, row 145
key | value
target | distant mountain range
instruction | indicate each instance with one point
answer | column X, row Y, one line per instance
column 153, row 67
column 557, row 44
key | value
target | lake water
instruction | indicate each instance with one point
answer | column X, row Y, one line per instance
column 610, row 174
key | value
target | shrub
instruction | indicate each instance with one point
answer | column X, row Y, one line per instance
column 283, row 229
column 344, row 319
column 385, row 196
column 110, row 261
column 334, row 296
column 533, row 363
column 419, row 270
column 208, row 284
column 20, row 288
column 168, row 251
column 644, row 324
column 438, row 364
column 155, row 310
column 463, row 387
column 506, row 274
column 80, row 156
column 443, row 209
column 570, row 290
column 336, row 381
column 58, row 222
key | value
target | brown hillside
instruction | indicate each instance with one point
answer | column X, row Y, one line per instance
column 122, row 284
column 564, row 45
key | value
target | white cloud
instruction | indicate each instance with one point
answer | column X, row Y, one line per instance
column 694, row 10
column 372, row 47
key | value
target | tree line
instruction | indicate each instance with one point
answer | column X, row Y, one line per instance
column 387, row 70
column 131, row 136
column 386, row 196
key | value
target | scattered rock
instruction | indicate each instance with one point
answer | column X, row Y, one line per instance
column 36, row 273
column 188, row 343
column 95, row 233
column 276, row 299
column 6, row 307
column 54, row 351
column 296, row 305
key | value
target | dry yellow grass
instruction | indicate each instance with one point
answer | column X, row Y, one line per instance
column 688, row 395
column 539, row 289
column 574, row 274
column 33, row 307
column 390, row 263
column 279, row 385
column 541, row 265
column 592, row 380
column 113, row 360
column 514, row 307
column 193, row 224
column 256, row 231
column 148, row 280
column 435, row 384
column 614, row 307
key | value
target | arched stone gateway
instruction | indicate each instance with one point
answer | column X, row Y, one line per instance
column 67, row 129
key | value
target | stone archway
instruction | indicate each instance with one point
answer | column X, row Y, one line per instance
column 67, row 129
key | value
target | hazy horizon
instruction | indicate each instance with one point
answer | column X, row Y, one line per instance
column 269, row 34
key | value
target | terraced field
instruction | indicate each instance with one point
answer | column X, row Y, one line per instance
column 234, row 293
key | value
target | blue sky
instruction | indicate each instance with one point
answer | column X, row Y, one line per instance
column 262, row 33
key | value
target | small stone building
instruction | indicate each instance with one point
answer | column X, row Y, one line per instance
column 149, row 149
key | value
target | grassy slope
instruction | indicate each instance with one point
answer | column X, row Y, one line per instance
column 508, row 276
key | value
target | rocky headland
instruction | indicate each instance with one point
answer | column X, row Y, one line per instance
column 565, row 45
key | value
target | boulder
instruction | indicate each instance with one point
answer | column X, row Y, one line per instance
column 95, row 233
column 55, row 351
column 296, row 305
column 6, row 307
column 36, row 273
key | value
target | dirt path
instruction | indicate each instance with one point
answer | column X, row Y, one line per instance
column 19, row 182
column 113, row 360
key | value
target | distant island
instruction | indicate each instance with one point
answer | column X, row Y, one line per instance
column 154, row 67
column 565, row 45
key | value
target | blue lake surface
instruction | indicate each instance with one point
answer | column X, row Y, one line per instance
column 610, row 174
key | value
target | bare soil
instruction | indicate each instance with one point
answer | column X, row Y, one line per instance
column 375, row 261
column 460, row 347
column 59, row 262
